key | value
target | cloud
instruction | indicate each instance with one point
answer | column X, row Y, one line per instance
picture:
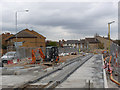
column 61, row 20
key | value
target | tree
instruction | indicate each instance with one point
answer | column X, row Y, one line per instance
column 51, row 43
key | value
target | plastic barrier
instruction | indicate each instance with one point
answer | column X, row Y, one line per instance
column 10, row 62
column 111, row 77
column 18, row 60
column 13, row 61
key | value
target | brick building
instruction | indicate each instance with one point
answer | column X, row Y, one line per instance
column 92, row 43
column 4, row 37
column 71, row 43
column 82, row 44
column 26, row 38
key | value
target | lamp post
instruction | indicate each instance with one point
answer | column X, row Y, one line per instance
column 109, row 33
column 16, row 13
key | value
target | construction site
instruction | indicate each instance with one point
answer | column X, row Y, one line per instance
column 61, row 68
column 60, row 45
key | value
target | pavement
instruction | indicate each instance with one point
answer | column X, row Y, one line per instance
column 92, row 70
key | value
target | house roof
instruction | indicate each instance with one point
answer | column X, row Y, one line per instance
column 37, row 34
column 82, row 41
column 8, row 37
column 92, row 40
column 26, row 33
column 105, row 38
column 71, row 42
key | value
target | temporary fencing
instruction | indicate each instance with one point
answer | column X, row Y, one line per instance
column 67, row 49
column 26, row 52
column 115, row 61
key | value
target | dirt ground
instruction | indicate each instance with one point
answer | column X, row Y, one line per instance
column 24, row 63
column 64, row 58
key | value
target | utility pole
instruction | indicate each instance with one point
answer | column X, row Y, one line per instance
column 16, row 13
column 109, row 33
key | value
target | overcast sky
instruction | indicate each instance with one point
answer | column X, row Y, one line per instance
column 61, row 20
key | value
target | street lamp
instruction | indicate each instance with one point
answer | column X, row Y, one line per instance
column 109, row 33
column 16, row 13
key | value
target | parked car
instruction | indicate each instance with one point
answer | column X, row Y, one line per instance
column 8, row 56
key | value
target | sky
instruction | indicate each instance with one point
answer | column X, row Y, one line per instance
column 62, row 19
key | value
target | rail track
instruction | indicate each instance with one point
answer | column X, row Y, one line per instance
column 58, row 75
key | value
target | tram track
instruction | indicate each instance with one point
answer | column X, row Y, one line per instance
column 58, row 75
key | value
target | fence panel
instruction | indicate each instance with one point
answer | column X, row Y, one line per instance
column 26, row 52
column 115, row 62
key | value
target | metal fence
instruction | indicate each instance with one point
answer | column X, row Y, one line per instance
column 67, row 50
column 115, row 62
column 26, row 52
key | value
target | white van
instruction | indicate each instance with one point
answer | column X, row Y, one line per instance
column 8, row 56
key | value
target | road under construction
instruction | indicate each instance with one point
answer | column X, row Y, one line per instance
column 86, row 70
column 80, row 72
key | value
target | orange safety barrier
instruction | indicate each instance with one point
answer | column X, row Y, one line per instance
column 57, row 58
column 33, row 57
column 105, row 62
column 111, row 77
column 110, row 61
column 105, row 58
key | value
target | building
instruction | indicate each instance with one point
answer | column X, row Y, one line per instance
column 82, row 44
column 26, row 38
column 92, row 43
column 4, row 37
column 72, row 43
column 61, row 43
column 105, row 41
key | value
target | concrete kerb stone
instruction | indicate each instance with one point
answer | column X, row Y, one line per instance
column 24, row 71
column 8, row 72
column 104, row 75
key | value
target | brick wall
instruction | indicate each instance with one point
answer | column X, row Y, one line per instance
column 28, row 42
